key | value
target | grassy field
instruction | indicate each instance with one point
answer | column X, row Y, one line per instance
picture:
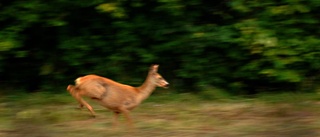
column 164, row 115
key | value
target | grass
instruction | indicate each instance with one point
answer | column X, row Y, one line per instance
column 174, row 115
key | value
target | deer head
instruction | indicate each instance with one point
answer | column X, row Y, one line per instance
column 156, row 78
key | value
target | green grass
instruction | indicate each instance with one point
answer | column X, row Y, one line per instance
column 164, row 114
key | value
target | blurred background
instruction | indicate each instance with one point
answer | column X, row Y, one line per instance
column 242, row 47
column 236, row 67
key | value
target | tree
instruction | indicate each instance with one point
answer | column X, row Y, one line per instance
column 241, row 46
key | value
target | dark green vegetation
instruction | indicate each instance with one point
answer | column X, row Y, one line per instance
column 239, row 46
column 162, row 115
column 215, row 49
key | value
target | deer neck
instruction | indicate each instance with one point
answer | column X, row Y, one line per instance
column 146, row 89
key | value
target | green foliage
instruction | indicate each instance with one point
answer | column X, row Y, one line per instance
column 239, row 46
column 211, row 93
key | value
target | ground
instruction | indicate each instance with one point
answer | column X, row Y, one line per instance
column 55, row 115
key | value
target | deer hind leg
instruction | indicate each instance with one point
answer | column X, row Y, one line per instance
column 82, row 103
column 73, row 91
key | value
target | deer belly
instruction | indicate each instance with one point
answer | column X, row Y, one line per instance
column 116, row 103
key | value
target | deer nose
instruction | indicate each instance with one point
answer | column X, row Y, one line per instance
column 167, row 85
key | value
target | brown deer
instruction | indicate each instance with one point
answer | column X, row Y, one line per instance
column 117, row 97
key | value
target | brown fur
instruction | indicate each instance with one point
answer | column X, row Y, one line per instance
column 119, row 98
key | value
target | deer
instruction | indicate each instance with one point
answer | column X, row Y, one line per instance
column 117, row 97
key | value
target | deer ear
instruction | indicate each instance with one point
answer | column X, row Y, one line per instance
column 154, row 68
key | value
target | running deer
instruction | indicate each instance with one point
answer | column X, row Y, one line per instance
column 115, row 96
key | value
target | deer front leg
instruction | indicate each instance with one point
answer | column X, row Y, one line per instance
column 126, row 114
column 115, row 119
